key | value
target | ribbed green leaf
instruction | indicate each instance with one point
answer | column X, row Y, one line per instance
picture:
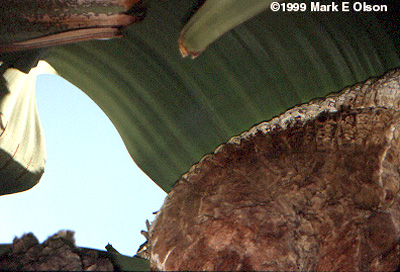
column 171, row 111
column 22, row 147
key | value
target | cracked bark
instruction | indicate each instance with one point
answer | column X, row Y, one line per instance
column 316, row 188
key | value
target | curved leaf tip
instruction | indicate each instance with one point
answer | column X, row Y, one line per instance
column 213, row 19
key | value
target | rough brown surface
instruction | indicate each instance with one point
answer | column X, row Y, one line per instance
column 316, row 188
column 57, row 253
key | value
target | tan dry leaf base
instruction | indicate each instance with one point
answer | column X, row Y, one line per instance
column 316, row 188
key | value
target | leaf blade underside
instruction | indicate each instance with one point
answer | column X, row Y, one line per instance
column 171, row 111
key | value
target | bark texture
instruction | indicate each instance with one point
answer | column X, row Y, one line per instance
column 316, row 188
column 57, row 253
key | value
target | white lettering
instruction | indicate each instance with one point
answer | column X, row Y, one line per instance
column 345, row 6
column 364, row 7
column 357, row 6
column 316, row 6
column 335, row 7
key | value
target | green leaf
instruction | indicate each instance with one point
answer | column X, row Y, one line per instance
column 171, row 111
column 125, row 263
column 215, row 18
column 22, row 147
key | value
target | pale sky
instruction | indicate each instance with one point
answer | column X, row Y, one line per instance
column 90, row 185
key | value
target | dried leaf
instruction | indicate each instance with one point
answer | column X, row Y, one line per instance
column 28, row 24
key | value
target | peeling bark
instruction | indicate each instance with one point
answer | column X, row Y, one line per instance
column 316, row 188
